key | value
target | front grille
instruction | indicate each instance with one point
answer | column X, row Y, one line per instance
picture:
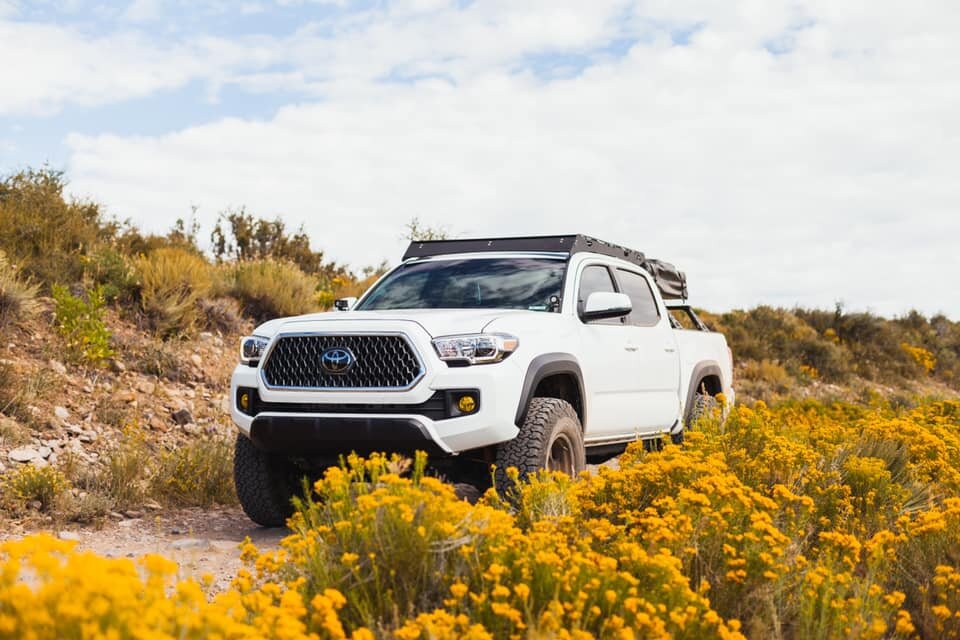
column 380, row 362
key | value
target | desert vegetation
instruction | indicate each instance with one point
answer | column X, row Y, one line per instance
column 804, row 520
column 825, row 505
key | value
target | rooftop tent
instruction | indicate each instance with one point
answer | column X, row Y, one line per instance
column 671, row 281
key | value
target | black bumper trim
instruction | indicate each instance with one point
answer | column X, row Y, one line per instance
column 333, row 435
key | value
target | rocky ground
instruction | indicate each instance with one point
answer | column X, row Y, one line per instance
column 173, row 390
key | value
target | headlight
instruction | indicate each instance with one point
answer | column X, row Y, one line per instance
column 252, row 348
column 476, row 349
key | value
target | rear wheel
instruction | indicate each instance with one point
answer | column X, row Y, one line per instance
column 550, row 438
column 265, row 484
column 703, row 404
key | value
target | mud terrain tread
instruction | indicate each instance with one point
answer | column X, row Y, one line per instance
column 702, row 403
column 526, row 452
column 261, row 485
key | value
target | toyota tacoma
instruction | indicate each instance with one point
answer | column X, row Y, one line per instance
column 538, row 352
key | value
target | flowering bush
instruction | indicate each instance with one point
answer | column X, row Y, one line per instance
column 799, row 521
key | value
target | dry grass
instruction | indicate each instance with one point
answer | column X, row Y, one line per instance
column 18, row 297
column 172, row 282
column 271, row 289
column 199, row 473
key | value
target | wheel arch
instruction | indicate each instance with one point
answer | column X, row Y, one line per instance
column 554, row 375
column 708, row 375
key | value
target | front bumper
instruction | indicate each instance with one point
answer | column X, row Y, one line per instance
column 325, row 435
column 294, row 422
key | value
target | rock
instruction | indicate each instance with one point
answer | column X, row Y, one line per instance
column 57, row 366
column 116, row 516
column 176, row 531
column 44, row 452
column 196, row 360
column 73, row 429
column 36, row 505
column 146, row 387
column 205, row 336
column 182, row 416
column 87, row 388
column 117, row 367
column 191, row 428
column 191, row 543
column 61, row 413
column 69, row 535
column 24, row 454
column 152, row 506
column 127, row 523
column 133, row 513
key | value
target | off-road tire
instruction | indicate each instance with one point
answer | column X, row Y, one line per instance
column 550, row 422
column 265, row 484
column 703, row 403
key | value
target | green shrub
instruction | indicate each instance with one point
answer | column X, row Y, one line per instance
column 270, row 288
column 111, row 269
column 43, row 233
column 17, row 296
column 172, row 281
column 80, row 322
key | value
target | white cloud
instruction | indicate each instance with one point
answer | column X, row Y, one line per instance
column 143, row 10
column 825, row 173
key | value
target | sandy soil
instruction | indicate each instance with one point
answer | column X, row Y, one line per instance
column 199, row 540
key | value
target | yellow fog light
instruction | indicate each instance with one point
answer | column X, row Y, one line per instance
column 467, row 404
column 245, row 401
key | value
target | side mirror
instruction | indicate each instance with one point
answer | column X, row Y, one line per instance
column 344, row 304
column 606, row 304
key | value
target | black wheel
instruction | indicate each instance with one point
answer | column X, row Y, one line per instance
column 703, row 404
column 550, row 438
column 265, row 484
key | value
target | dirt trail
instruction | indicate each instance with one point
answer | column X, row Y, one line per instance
column 199, row 540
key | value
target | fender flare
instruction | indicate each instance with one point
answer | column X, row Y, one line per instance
column 701, row 371
column 543, row 366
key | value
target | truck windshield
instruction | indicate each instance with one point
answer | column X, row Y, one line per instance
column 534, row 284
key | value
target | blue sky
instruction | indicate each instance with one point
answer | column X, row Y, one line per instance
column 779, row 151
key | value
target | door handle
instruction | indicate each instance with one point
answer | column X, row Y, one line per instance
column 669, row 349
column 631, row 347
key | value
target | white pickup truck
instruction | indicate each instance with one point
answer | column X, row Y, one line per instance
column 541, row 352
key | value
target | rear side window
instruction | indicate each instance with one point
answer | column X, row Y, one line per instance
column 645, row 312
column 595, row 278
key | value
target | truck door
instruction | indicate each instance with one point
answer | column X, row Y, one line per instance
column 607, row 363
column 655, row 363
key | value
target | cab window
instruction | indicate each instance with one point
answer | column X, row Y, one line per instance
column 594, row 278
column 645, row 312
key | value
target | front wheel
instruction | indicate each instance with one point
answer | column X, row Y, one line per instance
column 265, row 484
column 550, row 438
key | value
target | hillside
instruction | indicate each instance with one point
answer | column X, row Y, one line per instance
column 827, row 504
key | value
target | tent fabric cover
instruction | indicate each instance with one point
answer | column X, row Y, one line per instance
column 671, row 281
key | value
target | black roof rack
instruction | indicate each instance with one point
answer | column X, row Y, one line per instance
column 552, row 244
column 672, row 282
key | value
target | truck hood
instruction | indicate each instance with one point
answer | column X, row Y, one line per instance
column 436, row 322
